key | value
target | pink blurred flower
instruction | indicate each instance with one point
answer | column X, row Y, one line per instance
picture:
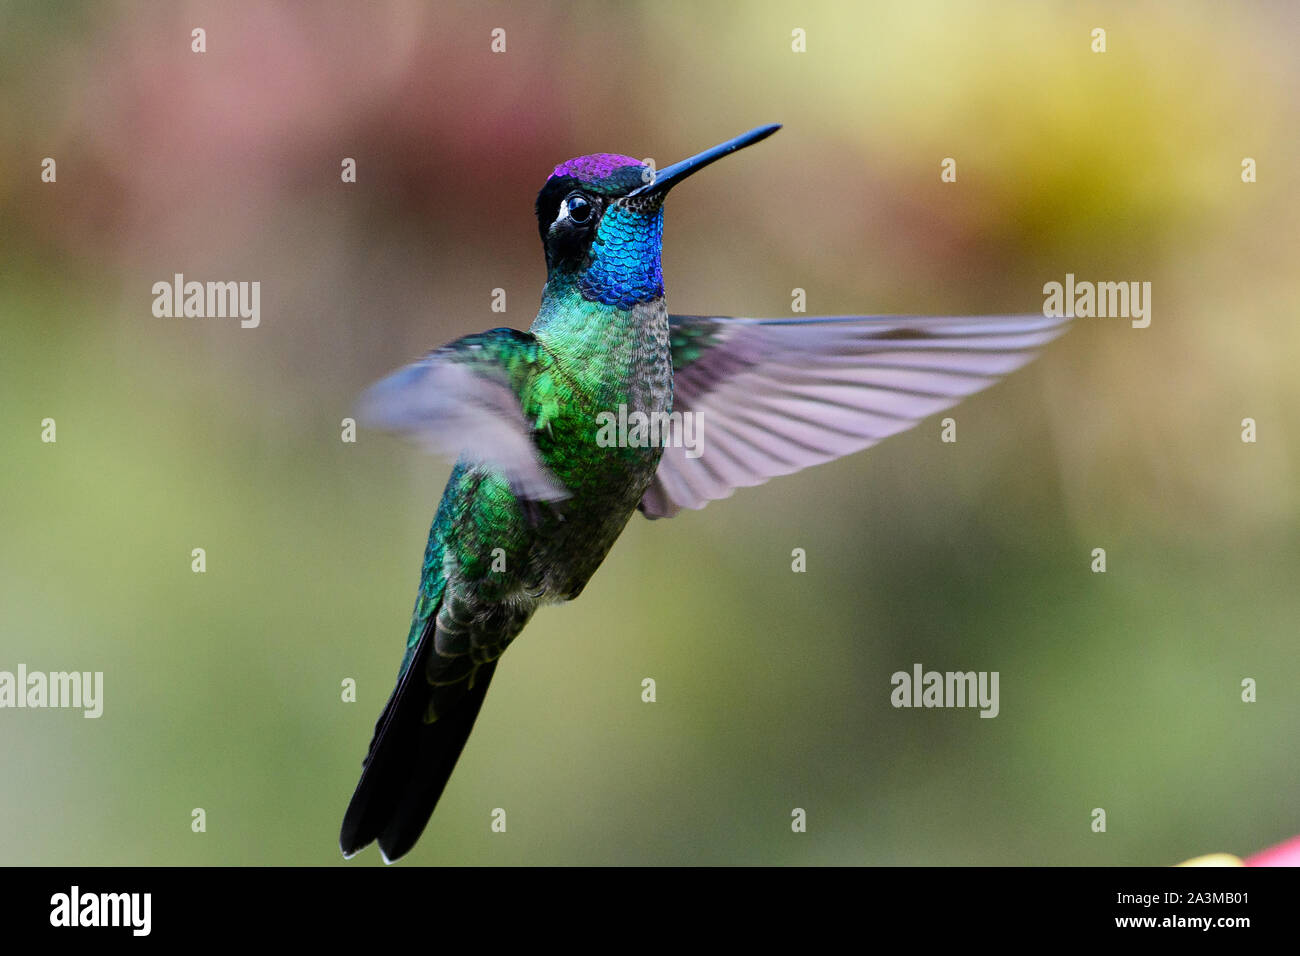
column 1284, row 854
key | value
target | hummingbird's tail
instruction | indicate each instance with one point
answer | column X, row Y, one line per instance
column 410, row 760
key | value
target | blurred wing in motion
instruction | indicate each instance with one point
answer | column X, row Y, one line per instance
column 773, row 396
column 462, row 401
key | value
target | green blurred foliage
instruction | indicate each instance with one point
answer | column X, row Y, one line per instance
column 222, row 690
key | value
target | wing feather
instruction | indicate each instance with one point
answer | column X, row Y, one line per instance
column 774, row 396
column 462, row 401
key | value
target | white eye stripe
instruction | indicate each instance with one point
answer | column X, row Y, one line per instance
column 564, row 211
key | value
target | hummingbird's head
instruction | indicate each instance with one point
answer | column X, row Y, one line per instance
column 601, row 220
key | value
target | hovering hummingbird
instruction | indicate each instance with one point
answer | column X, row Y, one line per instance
column 539, row 493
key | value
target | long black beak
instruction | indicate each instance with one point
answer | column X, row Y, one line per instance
column 668, row 177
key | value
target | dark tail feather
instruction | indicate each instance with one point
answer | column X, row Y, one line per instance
column 409, row 760
column 435, row 757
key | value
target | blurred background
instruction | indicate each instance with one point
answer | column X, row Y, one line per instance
column 223, row 689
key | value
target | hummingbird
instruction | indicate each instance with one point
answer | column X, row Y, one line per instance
column 542, row 487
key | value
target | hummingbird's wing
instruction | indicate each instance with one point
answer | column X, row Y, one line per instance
column 462, row 401
column 773, row 396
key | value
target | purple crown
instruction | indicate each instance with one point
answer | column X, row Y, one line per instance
column 594, row 168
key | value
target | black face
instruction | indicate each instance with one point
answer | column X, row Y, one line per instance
column 567, row 217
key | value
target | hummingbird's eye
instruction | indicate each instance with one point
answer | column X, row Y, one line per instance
column 579, row 208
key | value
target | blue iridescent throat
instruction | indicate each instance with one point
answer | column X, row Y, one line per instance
column 625, row 267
